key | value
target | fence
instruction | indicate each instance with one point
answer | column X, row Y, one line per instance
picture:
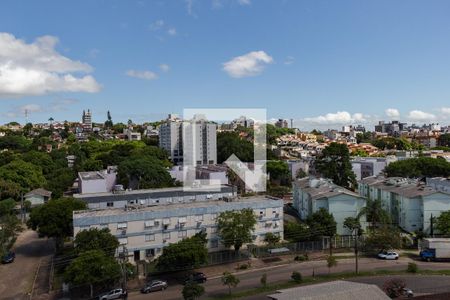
column 338, row 242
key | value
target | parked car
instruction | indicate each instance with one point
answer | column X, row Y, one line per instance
column 197, row 277
column 114, row 294
column 154, row 285
column 389, row 255
column 8, row 257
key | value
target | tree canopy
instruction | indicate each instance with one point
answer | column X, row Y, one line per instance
column 235, row 227
column 334, row 163
column 229, row 143
column 186, row 254
column 321, row 223
column 419, row 167
column 96, row 239
column 54, row 218
column 27, row 175
column 91, row 268
column 443, row 223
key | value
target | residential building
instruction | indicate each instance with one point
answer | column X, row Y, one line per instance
column 131, row 135
column 145, row 231
column 97, row 181
column 439, row 183
column 311, row 194
column 392, row 128
column 336, row 290
column 370, row 166
column 410, row 203
column 281, row 123
column 86, row 121
column 119, row 198
column 205, row 172
column 194, row 140
column 38, row 196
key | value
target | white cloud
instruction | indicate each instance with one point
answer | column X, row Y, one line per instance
column 418, row 115
column 157, row 25
column 250, row 64
column 338, row 118
column 164, row 68
column 445, row 110
column 190, row 7
column 37, row 69
column 147, row 75
column 244, row 2
column 172, row 31
column 289, row 60
column 392, row 113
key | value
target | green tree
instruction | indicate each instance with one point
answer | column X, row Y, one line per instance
column 352, row 224
column 382, row 238
column 93, row 239
column 229, row 143
column 331, row 262
column 9, row 228
column 9, row 189
column 297, row 232
column 297, row 277
column 235, row 227
column 419, row 167
column 263, row 280
column 443, row 223
column 7, row 207
column 92, row 268
column 230, row 280
column 279, row 172
column 144, row 173
column 444, row 140
column 54, row 218
column 334, row 163
column 192, row 291
column 26, row 174
column 271, row 239
column 186, row 254
column 322, row 223
column 375, row 214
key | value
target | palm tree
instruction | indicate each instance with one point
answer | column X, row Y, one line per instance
column 375, row 213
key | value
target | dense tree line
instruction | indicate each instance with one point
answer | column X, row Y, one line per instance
column 419, row 167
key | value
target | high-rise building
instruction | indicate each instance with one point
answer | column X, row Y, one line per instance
column 194, row 140
column 86, row 120
column 281, row 123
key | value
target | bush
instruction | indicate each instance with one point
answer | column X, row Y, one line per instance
column 264, row 280
column 296, row 276
column 412, row 268
column 301, row 257
column 394, row 287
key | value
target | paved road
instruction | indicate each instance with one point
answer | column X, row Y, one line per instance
column 251, row 279
column 16, row 279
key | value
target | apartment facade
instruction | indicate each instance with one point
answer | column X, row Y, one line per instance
column 312, row 194
column 145, row 231
column 194, row 140
column 161, row 196
column 410, row 203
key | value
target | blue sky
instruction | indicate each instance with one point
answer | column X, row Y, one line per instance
column 322, row 63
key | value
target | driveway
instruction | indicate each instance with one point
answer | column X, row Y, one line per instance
column 16, row 279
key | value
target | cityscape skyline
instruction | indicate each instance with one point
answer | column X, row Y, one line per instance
column 143, row 60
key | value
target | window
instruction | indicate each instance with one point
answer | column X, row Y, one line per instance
column 166, row 221
column 199, row 218
column 148, row 224
column 166, row 236
column 214, row 243
column 122, row 225
column 182, row 220
column 213, row 217
column 213, row 229
column 182, row 233
column 149, row 237
column 123, row 241
column 109, row 204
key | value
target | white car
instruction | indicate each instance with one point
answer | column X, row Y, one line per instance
column 390, row 255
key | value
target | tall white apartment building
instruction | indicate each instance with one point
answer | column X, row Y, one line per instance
column 194, row 140
column 86, row 120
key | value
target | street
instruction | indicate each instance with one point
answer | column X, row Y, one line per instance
column 16, row 279
column 251, row 278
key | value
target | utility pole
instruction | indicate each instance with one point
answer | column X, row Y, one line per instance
column 356, row 249
column 431, row 226
column 124, row 257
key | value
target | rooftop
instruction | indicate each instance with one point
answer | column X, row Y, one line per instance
column 93, row 175
column 173, row 206
column 405, row 187
column 40, row 192
column 319, row 188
